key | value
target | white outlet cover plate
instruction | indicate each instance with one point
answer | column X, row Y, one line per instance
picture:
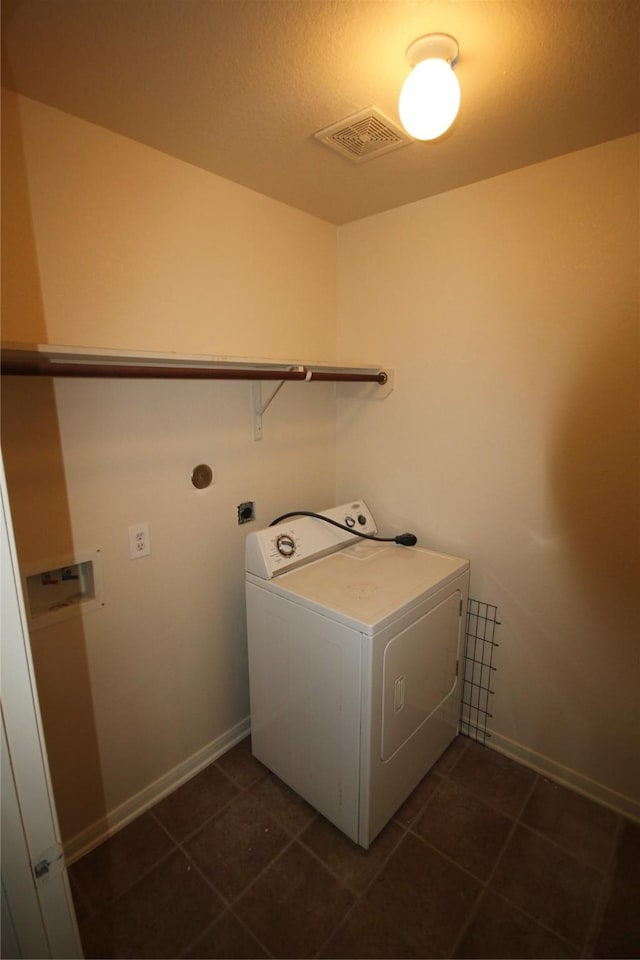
column 139, row 541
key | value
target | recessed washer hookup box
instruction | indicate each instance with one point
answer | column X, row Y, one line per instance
column 64, row 587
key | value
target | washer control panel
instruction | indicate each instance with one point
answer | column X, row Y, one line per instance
column 299, row 539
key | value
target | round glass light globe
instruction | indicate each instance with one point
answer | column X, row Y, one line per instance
column 429, row 99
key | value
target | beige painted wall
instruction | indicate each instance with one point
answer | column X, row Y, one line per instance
column 509, row 310
column 108, row 243
column 118, row 245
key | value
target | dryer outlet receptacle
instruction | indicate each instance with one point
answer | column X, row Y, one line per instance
column 246, row 511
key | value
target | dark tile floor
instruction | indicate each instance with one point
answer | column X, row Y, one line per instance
column 485, row 859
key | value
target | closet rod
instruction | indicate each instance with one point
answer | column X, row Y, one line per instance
column 44, row 368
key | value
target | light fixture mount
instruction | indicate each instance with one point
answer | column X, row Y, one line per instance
column 440, row 46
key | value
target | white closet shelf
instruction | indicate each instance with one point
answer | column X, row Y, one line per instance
column 19, row 359
column 48, row 360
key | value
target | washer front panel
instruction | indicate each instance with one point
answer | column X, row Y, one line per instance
column 305, row 683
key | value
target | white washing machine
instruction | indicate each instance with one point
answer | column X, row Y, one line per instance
column 355, row 651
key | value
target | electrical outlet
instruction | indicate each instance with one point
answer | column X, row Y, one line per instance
column 139, row 541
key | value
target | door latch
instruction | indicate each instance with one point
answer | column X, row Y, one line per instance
column 50, row 863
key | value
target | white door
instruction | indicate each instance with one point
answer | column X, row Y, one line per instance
column 38, row 918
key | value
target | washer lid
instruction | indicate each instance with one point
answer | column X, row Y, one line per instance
column 367, row 583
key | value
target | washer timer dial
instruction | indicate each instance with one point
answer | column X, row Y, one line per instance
column 285, row 545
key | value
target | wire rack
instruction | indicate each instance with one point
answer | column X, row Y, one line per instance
column 477, row 689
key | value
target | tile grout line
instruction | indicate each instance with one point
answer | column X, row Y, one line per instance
column 241, row 788
column 294, row 837
column 227, row 904
column 603, row 872
column 125, row 890
column 405, row 830
column 224, row 806
column 231, row 912
column 442, row 776
column 485, row 886
column 230, row 904
column 359, row 895
column 581, row 946
column 597, row 916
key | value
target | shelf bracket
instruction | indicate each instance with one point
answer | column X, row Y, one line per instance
column 259, row 406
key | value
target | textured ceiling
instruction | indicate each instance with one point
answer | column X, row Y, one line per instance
column 239, row 87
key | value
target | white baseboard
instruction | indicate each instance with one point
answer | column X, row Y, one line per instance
column 118, row 818
column 625, row 806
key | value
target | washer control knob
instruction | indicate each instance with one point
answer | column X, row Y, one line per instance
column 285, row 545
column 362, row 520
column 350, row 522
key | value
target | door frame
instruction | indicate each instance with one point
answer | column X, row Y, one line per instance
column 37, row 906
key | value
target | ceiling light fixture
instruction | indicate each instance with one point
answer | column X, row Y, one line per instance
column 430, row 96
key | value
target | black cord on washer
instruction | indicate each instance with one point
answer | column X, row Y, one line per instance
column 405, row 539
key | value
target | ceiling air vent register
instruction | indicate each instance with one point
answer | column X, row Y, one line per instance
column 364, row 135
